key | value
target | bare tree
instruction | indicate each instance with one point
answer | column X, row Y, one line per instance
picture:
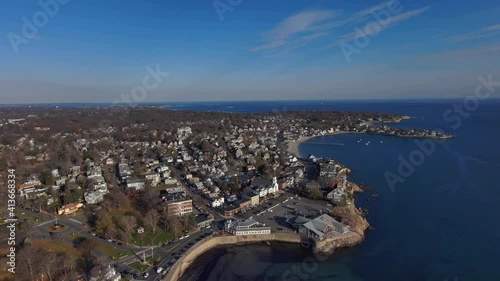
column 128, row 224
column 50, row 265
column 152, row 218
column 175, row 225
column 120, row 200
column 30, row 260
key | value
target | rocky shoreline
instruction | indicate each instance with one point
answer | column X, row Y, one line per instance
column 357, row 224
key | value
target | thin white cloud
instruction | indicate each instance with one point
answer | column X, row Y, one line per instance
column 362, row 15
column 383, row 25
column 270, row 45
column 306, row 26
column 488, row 31
column 305, row 22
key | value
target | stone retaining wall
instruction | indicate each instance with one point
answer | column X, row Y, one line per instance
column 203, row 246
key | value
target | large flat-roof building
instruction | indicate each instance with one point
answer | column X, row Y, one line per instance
column 179, row 207
column 247, row 227
column 322, row 227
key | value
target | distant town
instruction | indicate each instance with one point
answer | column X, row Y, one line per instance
column 128, row 193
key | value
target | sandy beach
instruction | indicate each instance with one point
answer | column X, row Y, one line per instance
column 293, row 146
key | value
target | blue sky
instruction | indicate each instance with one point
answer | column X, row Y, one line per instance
column 98, row 51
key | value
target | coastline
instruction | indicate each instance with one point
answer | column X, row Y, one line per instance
column 293, row 146
column 203, row 246
column 359, row 224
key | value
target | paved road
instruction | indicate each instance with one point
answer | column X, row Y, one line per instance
column 167, row 257
column 186, row 185
column 74, row 226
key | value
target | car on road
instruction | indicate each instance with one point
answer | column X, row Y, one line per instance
column 146, row 275
column 159, row 270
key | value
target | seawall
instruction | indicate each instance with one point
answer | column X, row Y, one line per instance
column 205, row 245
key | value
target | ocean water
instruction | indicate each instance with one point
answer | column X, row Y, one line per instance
column 438, row 222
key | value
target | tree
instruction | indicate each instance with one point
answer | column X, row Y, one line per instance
column 119, row 200
column 152, row 218
column 29, row 260
column 190, row 221
column 46, row 178
column 315, row 193
column 73, row 195
column 149, row 199
column 104, row 222
column 50, row 265
column 128, row 224
column 175, row 225
column 67, row 264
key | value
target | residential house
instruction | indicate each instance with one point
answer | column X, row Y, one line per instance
column 135, row 184
column 100, row 273
column 216, row 202
column 70, row 208
column 204, row 220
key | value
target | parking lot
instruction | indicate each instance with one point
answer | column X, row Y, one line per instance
column 276, row 211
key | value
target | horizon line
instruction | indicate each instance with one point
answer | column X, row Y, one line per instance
column 109, row 104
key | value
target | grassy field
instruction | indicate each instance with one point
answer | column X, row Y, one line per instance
column 113, row 253
column 26, row 216
column 110, row 251
column 56, row 246
column 141, row 267
column 148, row 236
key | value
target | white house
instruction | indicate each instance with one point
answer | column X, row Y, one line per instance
column 217, row 202
column 135, row 184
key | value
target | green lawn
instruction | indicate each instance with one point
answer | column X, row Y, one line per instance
column 112, row 252
column 26, row 216
column 148, row 236
column 141, row 267
column 138, row 266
